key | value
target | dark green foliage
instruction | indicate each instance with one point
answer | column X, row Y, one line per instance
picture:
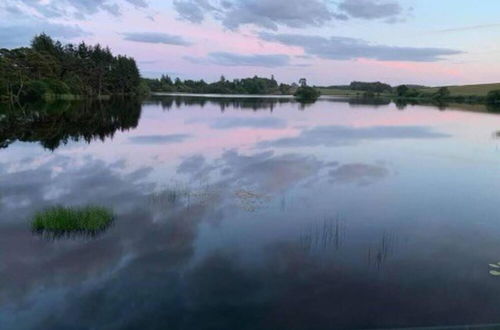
column 143, row 89
column 442, row 93
column 412, row 92
column 255, row 85
column 307, row 93
column 60, row 220
column 35, row 90
column 360, row 86
column 50, row 68
column 493, row 97
column 402, row 90
column 373, row 87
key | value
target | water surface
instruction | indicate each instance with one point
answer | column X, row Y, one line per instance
column 252, row 214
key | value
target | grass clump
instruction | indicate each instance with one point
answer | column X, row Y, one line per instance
column 60, row 220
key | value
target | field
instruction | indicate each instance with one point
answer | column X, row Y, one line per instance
column 339, row 92
column 466, row 90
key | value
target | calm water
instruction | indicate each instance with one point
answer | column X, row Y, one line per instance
column 252, row 214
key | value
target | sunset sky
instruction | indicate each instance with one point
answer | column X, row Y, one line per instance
column 326, row 41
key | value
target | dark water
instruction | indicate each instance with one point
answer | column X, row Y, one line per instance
column 252, row 214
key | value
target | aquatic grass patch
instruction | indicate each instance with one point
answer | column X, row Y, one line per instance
column 59, row 220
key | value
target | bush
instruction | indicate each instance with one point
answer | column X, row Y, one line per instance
column 143, row 89
column 493, row 97
column 75, row 85
column 306, row 93
column 442, row 93
column 35, row 90
column 57, row 87
column 402, row 90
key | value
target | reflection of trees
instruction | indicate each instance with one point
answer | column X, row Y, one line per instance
column 495, row 108
column 246, row 103
column 56, row 123
column 376, row 101
column 401, row 104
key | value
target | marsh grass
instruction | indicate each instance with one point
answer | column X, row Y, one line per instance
column 59, row 221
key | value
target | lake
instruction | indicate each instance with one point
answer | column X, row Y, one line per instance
column 252, row 213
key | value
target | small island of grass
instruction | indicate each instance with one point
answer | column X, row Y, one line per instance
column 63, row 220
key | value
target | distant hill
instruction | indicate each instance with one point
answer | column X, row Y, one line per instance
column 356, row 89
column 465, row 90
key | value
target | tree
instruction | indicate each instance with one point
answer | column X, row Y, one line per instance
column 48, row 67
column 307, row 93
column 493, row 97
column 442, row 93
column 44, row 44
column 374, row 87
column 285, row 89
column 402, row 90
column 166, row 80
column 254, row 85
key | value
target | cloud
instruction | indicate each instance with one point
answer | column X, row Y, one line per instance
column 79, row 9
column 21, row 33
column 262, row 13
column 342, row 48
column 271, row 14
column 156, row 38
column 138, row 3
column 240, row 122
column 192, row 10
column 371, row 9
column 332, row 136
column 233, row 59
column 159, row 139
column 88, row 7
column 113, row 9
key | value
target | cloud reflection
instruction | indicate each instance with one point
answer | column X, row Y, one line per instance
column 361, row 174
column 159, row 139
column 226, row 123
column 332, row 136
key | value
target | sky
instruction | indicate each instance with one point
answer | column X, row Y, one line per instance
column 328, row 42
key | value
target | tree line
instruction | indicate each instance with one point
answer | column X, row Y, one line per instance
column 254, row 85
column 48, row 68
